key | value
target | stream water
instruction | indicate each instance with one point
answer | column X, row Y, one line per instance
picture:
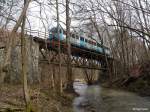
column 97, row 99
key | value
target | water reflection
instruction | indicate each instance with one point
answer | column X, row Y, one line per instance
column 80, row 87
column 89, row 99
column 97, row 99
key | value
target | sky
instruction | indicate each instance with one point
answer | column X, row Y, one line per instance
column 47, row 18
column 41, row 16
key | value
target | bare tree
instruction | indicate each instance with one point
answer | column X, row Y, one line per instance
column 126, row 25
column 24, row 64
column 59, row 82
column 69, row 86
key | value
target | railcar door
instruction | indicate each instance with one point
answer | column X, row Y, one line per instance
column 82, row 42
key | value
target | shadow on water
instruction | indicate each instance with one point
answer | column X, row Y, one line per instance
column 96, row 99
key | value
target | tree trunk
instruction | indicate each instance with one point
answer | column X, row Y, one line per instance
column 69, row 86
column 24, row 65
column 59, row 81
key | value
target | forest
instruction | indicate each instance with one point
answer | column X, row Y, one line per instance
column 43, row 74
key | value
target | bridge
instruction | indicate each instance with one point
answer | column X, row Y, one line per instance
column 80, row 58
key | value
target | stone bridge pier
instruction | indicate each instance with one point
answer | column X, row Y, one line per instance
column 14, row 75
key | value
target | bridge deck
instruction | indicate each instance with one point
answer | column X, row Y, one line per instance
column 75, row 50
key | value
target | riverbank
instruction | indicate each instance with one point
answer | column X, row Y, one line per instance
column 140, row 85
column 136, row 80
column 43, row 100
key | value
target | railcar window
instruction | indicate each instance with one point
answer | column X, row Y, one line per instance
column 81, row 38
column 60, row 31
column 86, row 40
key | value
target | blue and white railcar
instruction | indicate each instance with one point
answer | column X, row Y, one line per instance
column 80, row 41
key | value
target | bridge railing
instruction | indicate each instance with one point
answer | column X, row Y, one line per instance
column 37, row 33
column 28, row 31
column 4, row 34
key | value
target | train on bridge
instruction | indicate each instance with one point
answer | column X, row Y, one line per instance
column 77, row 40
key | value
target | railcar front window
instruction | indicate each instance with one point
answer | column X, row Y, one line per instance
column 81, row 38
column 54, row 30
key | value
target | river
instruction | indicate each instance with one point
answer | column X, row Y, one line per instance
column 97, row 99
